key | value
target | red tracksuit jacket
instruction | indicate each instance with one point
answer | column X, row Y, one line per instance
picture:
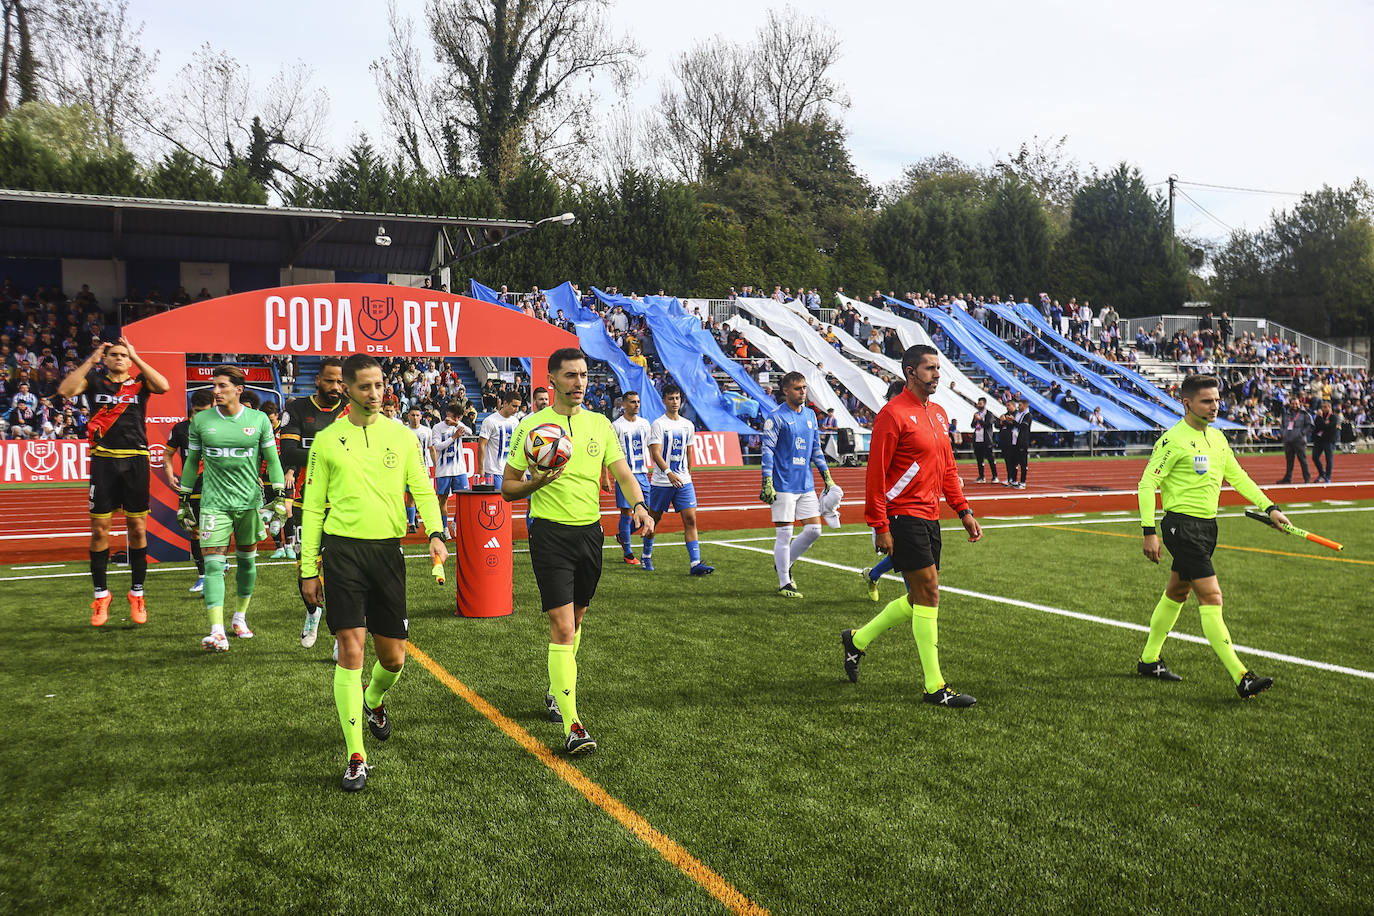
column 910, row 463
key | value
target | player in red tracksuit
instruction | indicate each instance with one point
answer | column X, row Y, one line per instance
column 910, row 466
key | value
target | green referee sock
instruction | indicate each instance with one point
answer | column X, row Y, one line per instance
column 897, row 611
column 577, row 640
column 1214, row 628
column 382, row 681
column 563, row 682
column 1161, row 622
column 348, row 698
column 926, row 630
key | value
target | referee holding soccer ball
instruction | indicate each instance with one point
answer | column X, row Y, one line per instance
column 565, row 535
column 360, row 469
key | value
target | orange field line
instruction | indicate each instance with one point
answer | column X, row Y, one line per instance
column 668, row 848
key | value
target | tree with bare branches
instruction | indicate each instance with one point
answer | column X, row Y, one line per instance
column 721, row 90
column 215, row 114
column 92, row 57
column 18, row 63
column 793, row 55
column 514, row 82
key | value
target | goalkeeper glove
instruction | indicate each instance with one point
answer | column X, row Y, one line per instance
column 186, row 516
column 769, row 494
column 828, row 481
column 278, row 503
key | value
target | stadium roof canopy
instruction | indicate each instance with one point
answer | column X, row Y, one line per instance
column 40, row 224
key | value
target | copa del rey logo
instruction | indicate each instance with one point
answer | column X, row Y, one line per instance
column 37, row 460
column 373, row 324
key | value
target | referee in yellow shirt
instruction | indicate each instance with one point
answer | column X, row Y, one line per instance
column 360, row 468
column 565, row 533
column 1187, row 466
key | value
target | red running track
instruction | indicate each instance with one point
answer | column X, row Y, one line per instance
column 52, row 525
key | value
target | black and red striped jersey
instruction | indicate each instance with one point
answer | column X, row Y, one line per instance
column 118, row 410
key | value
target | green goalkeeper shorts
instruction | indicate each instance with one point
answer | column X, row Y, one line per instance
column 216, row 525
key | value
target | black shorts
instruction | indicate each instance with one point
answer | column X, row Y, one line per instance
column 119, row 483
column 1190, row 542
column 566, row 561
column 915, row 542
column 364, row 585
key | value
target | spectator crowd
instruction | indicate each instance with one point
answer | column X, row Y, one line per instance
column 47, row 334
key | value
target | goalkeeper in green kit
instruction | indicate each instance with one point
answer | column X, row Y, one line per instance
column 233, row 440
column 1187, row 467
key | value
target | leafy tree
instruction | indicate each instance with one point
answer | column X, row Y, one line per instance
column 1311, row 268
column 46, row 147
column 1050, row 172
column 1017, row 233
column 930, row 234
column 1118, row 249
column 724, row 259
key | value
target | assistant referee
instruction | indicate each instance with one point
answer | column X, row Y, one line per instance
column 1187, row 466
column 565, row 533
column 360, row 468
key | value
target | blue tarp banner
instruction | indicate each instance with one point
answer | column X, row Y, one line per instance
column 1116, row 416
column 487, row 294
column 681, row 343
column 977, row 354
column 1149, row 409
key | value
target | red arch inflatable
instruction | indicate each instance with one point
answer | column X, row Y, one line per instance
column 323, row 319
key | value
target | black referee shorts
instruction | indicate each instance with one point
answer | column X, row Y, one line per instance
column 364, row 585
column 566, row 561
column 1191, row 542
column 915, row 542
column 119, row 483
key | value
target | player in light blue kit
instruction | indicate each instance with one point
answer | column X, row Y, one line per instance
column 633, row 431
column 670, row 446
column 791, row 444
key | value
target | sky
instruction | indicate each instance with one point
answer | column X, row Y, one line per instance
column 1259, row 94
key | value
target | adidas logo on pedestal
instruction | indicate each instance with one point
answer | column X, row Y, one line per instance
column 492, row 544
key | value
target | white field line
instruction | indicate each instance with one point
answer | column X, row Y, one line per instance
column 1090, row 618
column 852, row 532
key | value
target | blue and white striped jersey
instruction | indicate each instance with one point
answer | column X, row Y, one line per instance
column 497, row 430
column 634, row 442
column 791, row 444
column 675, row 438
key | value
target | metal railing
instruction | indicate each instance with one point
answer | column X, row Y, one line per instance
column 1317, row 351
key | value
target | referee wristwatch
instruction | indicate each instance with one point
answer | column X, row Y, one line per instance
column 439, row 535
column 963, row 513
column 638, row 504
column 1147, row 530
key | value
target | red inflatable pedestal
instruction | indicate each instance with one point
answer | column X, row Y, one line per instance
column 483, row 554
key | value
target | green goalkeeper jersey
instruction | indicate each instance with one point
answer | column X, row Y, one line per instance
column 233, row 450
column 1187, row 467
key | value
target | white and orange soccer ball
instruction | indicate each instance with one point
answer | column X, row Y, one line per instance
column 548, row 446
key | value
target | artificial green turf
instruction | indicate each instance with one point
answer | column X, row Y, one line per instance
column 157, row 779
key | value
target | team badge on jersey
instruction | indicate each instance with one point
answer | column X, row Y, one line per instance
column 1199, row 464
column 250, row 430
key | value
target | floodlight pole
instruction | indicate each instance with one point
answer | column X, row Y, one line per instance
column 564, row 219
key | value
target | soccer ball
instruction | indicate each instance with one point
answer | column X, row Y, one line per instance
column 548, row 446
